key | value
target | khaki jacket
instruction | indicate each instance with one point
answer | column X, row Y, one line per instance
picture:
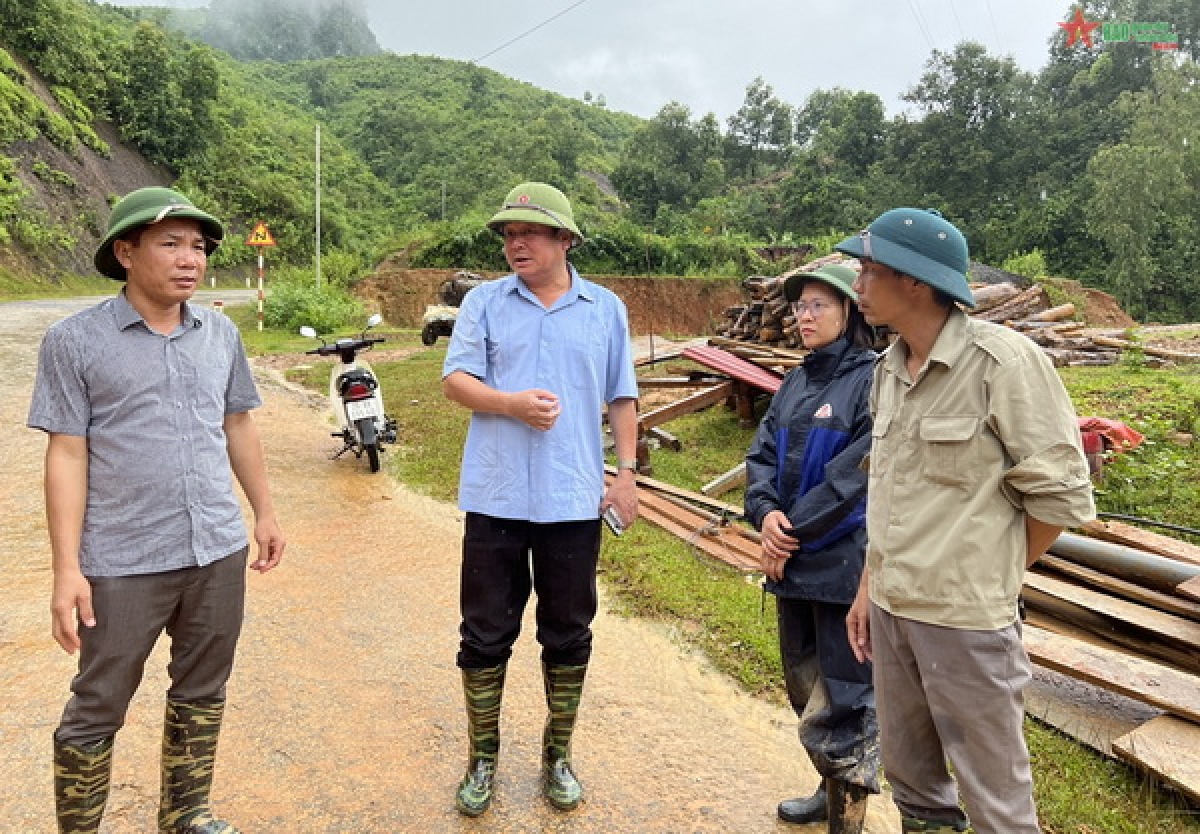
column 983, row 436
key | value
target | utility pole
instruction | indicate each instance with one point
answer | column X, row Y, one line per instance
column 318, row 201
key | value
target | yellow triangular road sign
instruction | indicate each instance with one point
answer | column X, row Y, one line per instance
column 261, row 236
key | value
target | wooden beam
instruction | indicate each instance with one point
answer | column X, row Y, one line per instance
column 732, row 479
column 1189, row 589
column 666, row 439
column 1165, row 746
column 1164, row 353
column 1123, row 588
column 680, row 381
column 679, row 492
column 695, row 402
column 1165, row 626
column 1152, row 683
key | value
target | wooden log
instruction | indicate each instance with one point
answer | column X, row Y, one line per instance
column 1165, row 746
column 723, row 483
column 1016, row 307
column 687, row 405
column 1097, row 362
column 1152, row 683
column 1151, row 542
column 993, row 295
column 679, row 381
column 1149, row 350
column 1062, row 311
column 1170, row 603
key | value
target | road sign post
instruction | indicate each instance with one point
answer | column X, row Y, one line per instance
column 260, row 238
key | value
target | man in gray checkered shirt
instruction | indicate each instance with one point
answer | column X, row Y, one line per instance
column 146, row 402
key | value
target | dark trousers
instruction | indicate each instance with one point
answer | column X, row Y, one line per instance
column 830, row 691
column 200, row 609
column 503, row 560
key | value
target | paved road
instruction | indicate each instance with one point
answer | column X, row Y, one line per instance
column 345, row 710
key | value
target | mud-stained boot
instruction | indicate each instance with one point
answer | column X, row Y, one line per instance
column 81, row 777
column 910, row 824
column 564, row 687
column 847, row 806
column 806, row 809
column 190, row 732
column 484, row 689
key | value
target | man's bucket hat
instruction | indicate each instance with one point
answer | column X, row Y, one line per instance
column 838, row 276
column 143, row 208
column 920, row 243
column 536, row 202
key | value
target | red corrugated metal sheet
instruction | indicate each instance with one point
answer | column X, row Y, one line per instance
column 735, row 366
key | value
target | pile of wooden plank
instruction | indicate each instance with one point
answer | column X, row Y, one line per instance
column 1120, row 609
column 766, row 319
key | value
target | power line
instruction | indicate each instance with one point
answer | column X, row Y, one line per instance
column 995, row 28
column 962, row 35
column 921, row 24
column 529, row 31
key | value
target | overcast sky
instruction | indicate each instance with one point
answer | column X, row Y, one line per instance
column 640, row 54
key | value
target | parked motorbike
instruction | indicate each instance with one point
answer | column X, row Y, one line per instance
column 354, row 395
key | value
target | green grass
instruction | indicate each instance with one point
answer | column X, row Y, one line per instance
column 14, row 287
column 650, row 573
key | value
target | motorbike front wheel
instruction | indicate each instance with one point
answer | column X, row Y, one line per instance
column 370, row 443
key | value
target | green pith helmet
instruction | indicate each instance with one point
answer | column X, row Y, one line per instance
column 838, row 276
column 143, row 208
column 920, row 243
column 536, row 202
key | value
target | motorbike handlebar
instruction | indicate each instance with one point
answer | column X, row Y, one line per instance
column 347, row 344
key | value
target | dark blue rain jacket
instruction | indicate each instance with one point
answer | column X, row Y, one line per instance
column 805, row 460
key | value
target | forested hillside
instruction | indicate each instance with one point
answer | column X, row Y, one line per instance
column 1088, row 169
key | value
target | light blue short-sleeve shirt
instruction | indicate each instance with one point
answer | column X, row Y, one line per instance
column 579, row 350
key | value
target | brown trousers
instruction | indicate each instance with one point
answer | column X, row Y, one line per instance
column 199, row 608
column 956, row 694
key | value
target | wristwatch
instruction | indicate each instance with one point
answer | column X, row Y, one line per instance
column 631, row 465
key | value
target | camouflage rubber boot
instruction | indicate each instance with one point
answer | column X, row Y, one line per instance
column 81, row 776
column 910, row 824
column 564, row 686
column 190, row 733
column 847, row 806
column 483, row 689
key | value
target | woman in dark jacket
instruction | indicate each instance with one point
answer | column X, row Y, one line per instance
column 807, row 494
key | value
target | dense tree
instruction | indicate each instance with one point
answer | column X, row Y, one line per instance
column 760, row 132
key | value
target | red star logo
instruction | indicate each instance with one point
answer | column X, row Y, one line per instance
column 1079, row 29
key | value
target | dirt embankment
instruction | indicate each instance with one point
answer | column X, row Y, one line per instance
column 665, row 305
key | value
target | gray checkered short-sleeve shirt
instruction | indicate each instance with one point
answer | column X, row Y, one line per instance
column 160, row 489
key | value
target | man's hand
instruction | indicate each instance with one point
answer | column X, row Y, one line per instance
column 535, row 408
column 858, row 624
column 269, row 537
column 622, row 494
column 72, row 593
column 778, row 544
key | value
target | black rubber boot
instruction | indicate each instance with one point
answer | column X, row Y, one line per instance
column 847, row 807
column 814, row 808
column 484, row 689
column 81, row 777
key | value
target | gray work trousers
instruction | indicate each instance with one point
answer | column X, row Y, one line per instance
column 201, row 611
column 956, row 694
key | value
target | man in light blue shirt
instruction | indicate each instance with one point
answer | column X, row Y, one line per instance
column 536, row 356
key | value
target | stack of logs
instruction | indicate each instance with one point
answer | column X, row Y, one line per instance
column 767, row 319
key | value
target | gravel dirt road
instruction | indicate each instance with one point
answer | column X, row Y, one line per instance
column 345, row 709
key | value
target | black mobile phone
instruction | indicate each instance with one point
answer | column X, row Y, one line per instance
column 613, row 520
